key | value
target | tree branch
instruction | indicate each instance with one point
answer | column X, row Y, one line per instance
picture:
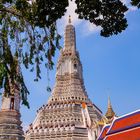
column 10, row 11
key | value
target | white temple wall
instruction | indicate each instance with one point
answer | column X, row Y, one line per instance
column 5, row 103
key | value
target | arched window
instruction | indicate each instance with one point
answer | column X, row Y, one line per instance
column 12, row 103
column 75, row 66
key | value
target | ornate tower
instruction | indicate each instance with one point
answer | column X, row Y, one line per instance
column 69, row 113
column 110, row 114
column 10, row 124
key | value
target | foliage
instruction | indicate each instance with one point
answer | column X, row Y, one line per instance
column 109, row 14
column 136, row 3
column 28, row 33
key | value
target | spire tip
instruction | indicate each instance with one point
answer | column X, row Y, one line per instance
column 69, row 19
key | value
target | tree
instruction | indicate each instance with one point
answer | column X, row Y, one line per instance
column 28, row 36
column 28, row 33
column 135, row 3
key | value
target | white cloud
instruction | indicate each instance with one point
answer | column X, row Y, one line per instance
column 132, row 8
column 125, row 1
column 71, row 12
column 85, row 27
column 89, row 28
column 64, row 20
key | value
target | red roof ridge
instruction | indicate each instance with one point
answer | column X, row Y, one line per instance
column 126, row 131
column 103, row 129
column 121, row 118
column 138, row 110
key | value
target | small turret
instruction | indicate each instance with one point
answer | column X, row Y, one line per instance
column 110, row 114
column 10, row 124
column 12, row 101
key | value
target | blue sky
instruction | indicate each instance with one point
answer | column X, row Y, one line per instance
column 111, row 67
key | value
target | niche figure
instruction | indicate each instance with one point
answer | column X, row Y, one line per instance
column 12, row 104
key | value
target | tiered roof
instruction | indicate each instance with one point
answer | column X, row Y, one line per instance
column 126, row 127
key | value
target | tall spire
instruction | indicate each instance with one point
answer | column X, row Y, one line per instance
column 110, row 113
column 69, row 113
column 69, row 69
column 69, row 39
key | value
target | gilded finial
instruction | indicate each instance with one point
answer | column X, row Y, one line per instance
column 69, row 19
column 110, row 113
column 109, row 102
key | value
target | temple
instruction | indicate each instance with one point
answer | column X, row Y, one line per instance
column 125, row 127
column 69, row 113
column 10, row 124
